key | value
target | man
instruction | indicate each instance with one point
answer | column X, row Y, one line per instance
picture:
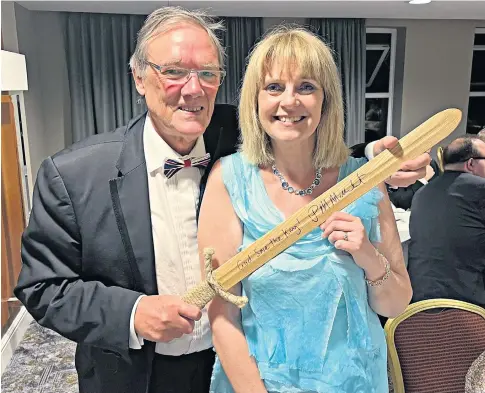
column 111, row 243
column 481, row 134
column 447, row 247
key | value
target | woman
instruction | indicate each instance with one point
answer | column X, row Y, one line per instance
column 310, row 324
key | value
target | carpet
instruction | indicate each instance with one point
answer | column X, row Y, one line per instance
column 42, row 363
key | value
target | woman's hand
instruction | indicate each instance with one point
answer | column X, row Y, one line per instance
column 392, row 296
column 347, row 233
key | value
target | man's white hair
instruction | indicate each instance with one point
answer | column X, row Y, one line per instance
column 164, row 19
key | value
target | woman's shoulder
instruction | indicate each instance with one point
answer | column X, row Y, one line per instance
column 237, row 163
column 231, row 158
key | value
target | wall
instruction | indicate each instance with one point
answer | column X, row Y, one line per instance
column 39, row 36
column 9, row 31
column 437, row 68
column 53, row 68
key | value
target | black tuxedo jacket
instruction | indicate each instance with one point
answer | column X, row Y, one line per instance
column 88, row 251
column 447, row 247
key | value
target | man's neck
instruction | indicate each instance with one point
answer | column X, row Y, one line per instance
column 180, row 144
column 455, row 168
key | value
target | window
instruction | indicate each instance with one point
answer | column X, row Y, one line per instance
column 380, row 60
column 476, row 103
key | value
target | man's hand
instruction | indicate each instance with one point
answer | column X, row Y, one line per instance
column 410, row 171
column 164, row 318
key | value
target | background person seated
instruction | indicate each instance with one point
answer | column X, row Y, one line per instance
column 481, row 135
column 447, row 226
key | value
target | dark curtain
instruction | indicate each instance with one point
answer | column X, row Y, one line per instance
column 103, row 94
column 240, row 36
column 347, row 39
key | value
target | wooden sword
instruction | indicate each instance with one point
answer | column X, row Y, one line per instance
column 315, row 213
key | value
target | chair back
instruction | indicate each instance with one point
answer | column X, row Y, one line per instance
column 433, row 343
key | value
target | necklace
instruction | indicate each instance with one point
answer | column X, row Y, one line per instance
column 291, row 190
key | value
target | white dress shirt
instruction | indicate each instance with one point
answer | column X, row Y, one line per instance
column 173, row 204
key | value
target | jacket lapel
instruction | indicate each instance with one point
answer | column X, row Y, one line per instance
column 131, row 205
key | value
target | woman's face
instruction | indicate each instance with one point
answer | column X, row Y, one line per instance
column 289, row 106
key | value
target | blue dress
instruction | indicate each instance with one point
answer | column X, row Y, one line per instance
column 308, row 323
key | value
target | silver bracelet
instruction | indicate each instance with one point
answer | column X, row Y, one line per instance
column 386, row 275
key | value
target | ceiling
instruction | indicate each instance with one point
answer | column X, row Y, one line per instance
column 400, row 9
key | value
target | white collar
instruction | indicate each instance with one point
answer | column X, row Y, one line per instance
column 157, row 150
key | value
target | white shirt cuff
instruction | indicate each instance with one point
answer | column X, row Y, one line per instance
column 136, row 341
column 369, row 150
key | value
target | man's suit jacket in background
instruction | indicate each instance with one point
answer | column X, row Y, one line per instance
column 402, row 197
column 447, row 246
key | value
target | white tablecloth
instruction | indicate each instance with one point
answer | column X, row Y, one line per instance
column 402, row 222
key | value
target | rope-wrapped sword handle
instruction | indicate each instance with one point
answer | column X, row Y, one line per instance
column 205, row 291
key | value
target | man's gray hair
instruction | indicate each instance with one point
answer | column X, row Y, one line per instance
column 163, row 19
column 481, row 134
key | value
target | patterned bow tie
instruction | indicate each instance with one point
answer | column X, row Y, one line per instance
column 171, row 166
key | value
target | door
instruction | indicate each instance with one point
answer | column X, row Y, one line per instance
column 13, row 217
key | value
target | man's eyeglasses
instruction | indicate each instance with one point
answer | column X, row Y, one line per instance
column 209, row 78
column 475, row 158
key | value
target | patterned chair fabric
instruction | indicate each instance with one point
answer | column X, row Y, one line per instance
column 433, row 344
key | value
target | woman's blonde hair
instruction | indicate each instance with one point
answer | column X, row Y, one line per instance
column 290, row 47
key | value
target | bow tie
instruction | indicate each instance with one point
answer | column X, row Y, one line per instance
column 172, row 166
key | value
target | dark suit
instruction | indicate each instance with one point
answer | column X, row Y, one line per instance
column 88, row 251
column 447, row 247
column 403, row 197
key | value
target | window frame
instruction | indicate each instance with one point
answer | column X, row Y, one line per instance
column 473, row 94
column 392, row 68
column 479, row 30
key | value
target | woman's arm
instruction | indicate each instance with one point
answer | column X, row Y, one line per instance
column 220, row 228
column 393, row 296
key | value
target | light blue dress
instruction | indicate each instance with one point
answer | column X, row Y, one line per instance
column 308, row 323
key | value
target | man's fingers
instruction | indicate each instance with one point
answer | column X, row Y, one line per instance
column 189, row 311
column 418, row 163
column 389, row 142
column 411, row 176
column 405, row 179
column 185, row 325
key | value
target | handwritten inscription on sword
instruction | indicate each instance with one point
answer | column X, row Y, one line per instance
column 314, row 211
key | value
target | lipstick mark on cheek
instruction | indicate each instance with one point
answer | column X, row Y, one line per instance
column 170, row 94
column 172, row 89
